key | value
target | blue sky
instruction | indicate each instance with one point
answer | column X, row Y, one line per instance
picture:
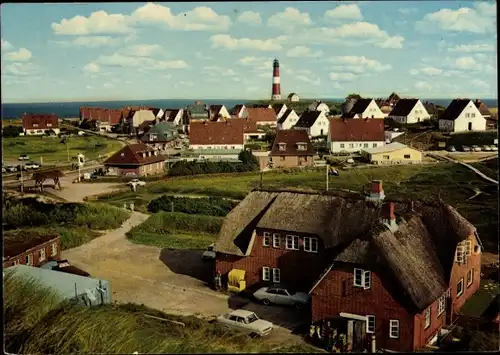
column 78, row 52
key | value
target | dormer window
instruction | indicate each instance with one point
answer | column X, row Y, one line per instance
column 282, row 147
column 301, row 146
column 35, row 124
column 49, row 124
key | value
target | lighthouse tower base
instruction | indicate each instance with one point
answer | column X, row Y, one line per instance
column 276, row 98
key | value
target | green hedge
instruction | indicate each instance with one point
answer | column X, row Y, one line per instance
column 210, row 206
column 182, row 168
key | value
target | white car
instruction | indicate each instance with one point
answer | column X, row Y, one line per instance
column 476, row 148
column 486, row 148
column 31, row 165
column 209, row 254
column 136, row 182
column 280, row 295
column 493, row 148
column 245, row 321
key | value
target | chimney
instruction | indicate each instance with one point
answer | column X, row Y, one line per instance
column 388, row 216
column 376, row 191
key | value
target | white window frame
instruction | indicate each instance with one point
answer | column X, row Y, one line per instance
column 342, row 145
column 393, row 326
column 462, row 291
column 266, row 239
column 276, row 240
column 471, row 273
column 460, row 254
column 442, row 304
column 374, row 145
column 366, row 278
column 266, row 273
column 295, row 242
column 428, row 314
column 370, row 320
column 29, row 259
column 41, row 254
column 360, row 272
column 468, row 247
column 312, row 242
column 276, row 275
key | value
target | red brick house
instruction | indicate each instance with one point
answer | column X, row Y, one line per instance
column 292, row 148
column 228, row 134
column 101, row 119
column 30, row 249
column 394, row 270
column 136, row 160
column 38, row 124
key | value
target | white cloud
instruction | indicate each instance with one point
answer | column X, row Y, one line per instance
column 99, row 22
column 227, row 42
column 20, row 69
column 465, row 63
column 217, row 71
column 414, row 71
column 342, row 76
column 480, row 83
column 21, row 55
column 303, row 52
column 481, row 19
column 347, row 12
column 408, row 10
column 431, row 70
column 144, row 50
column 93, row 41
column 289, row 18
column 199, row 19
column 92, row 68
column 310, row 80
column 422, row 85
column 250, row 17
column 6, row 46
column 119, row 60
column 469, row 48
column 358, row 64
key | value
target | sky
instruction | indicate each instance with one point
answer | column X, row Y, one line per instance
column 126, row 51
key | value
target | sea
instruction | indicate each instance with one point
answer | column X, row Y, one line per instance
column 72, row 109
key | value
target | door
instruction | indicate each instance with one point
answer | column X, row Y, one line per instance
column 470, row 126
column 282, row 297
column 358, row 336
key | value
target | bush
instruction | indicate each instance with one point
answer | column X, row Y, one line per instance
column 12, row 131
column 210, row 206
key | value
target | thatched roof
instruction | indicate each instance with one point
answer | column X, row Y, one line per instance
column 48, row 174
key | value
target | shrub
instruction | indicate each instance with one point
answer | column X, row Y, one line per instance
column 12, row 131
column 210, row 206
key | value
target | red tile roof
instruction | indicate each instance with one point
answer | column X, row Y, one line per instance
column 291, row 137
column 261, row 114
column 14, row 245
column 133, row 155
column 224, row 132
column 357, row 130
column 111, row 116
column 42, row 121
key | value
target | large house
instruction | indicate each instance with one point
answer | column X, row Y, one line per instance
column 364, row 108
column 462, row 115
column 173, row 116
column 280, row 110
column 161, row 136
column 218, row 113
column 408, row 111
column 291, row 148
column 293, row 97
column 101, row 119
column 135, row 160
column 395, row 271
column 314, row 122
column 239, row 111
column 30, row 249
column 319, row 105
column 38, row 124
column 262, row 116
column 353, row 135
column 217, row 135
column 198, row 110
column 288, row 119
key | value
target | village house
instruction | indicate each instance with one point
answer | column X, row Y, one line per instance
column 293, row 97
column 30, row 249
column 217, row 135
column 481, row 106
column 280, row 110
column 314, row 122
column 173, row 116
column 139, row 117
column 158, row 112
column 319, row 105
column 353, row 135
column 218, row 113
column 291, row 149
column 395, row 271
column 198, row 110
column 251, row 131
column 102, row 119
column 239, row 111
column 364, row 108
column 161, row 136
column 462, row 115
column 38, row 124
column 135, row 160
column 288, row 119
column 392, row 153
column 408, row 111
column 262, row 116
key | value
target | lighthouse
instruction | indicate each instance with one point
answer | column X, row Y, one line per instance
column 276, row 81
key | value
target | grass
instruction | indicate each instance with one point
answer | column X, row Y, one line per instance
column 176, row 231
column 38, row 321
column 52, row 150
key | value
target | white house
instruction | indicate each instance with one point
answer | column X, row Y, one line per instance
column 174, row 116
column 409, row 111
column 364, row 108
column 462, row 115
column 280, row 110
column 319, row 106
column 293, row 97
column 219, row 112
column 140, row 116
column 288, row 119
column 239, row 111
column 353, row 135
column 315, row 122
column 38, row 124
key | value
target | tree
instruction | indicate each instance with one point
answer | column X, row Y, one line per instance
column 353, row 96
column 12, row 131
column 247, row 158
column 270, row 137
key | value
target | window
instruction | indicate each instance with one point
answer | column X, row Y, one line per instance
column 301, row 146
column 342, row 145
column 54, row 249
column 276, row 240
column 365, row 145
column 266, row 241
column 27, row 259
column 370, row 324
column 49, row 124
column 460, row 254
column 472, row 115
column 41, row 254
column 282, row 158
column 393, row 329
column 374, row 145
column 292, row 242
column 441, row 304
column 266, row 273
column 362, row 278
column 386, row 157
column 351, row 145
column 276, row 276
column 311, row 244
column 407, row 156
column 470, row 277
column 460, row 287
column 282, row 146
column 427, row 318
column 468, row 247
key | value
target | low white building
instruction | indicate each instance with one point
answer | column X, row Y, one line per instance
column 364, row 108
column 314, row 122
column 408, row 111
column 319, row 106
column 353, row 135
column 462, row 115
column 293, row 97
column 288, row 119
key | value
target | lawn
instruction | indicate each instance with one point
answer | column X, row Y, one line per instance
column 53, row 150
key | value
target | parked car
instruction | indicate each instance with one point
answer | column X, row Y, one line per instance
column 493, row 148
column 451, row 149
column 476, row 148
column 24, row 157
column 4, row 170
column 465, row 148
column 350, row 161
column 486, row 148
column 136, row 182
column 209, row 254
column 280, row 295
column 245, row 321
column 11, row 168
column 31, row 165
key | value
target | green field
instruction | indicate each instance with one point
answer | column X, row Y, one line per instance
column 52, row 150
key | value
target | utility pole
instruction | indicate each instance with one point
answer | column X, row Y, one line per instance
column 172, row 205
column 261, row 177
column 326, row 176
column 67, row 148
column 22, row 187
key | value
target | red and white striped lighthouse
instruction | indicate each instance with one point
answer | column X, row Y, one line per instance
column 276, row 81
